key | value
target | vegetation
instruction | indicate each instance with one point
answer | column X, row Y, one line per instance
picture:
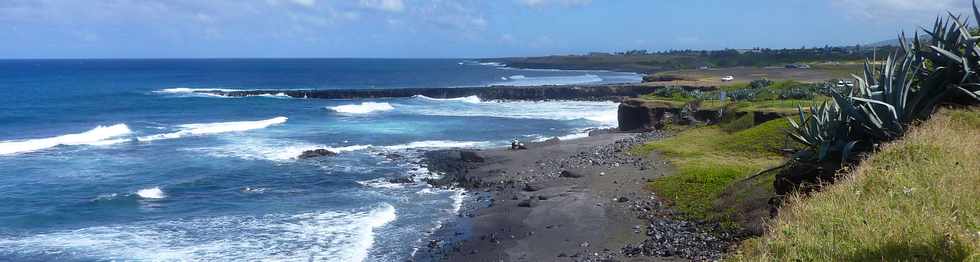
column 761, row 95
column 894, row 95
column 642, row 61
column 709, row 158
column 915, row 200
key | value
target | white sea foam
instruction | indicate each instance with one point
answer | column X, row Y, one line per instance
column 101, row 135
column 151, row 193
column 468, row 99
column 329, row 236
column 521, row 80
column 381, row 183
column 276, row 95
column 363, row 108
column 605, row 114
column 573, row 136
column 440, row 144
column 186, row 90
column 494, row 64
column 278, row 150
column 215, row 128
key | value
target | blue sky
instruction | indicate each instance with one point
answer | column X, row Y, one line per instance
column 441, row 28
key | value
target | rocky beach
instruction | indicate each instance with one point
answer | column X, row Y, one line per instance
column 576, row 200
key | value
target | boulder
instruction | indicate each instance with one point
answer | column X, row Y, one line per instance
column 401, row 180
column 531, row 187
column 570, row 174
column 470, row 156
column 316, row 153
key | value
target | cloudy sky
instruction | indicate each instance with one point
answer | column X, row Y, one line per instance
column 440, row 28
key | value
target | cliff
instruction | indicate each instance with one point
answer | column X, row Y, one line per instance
column 637, row 114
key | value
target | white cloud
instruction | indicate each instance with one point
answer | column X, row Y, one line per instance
column 385, row 5
column 542, row 3
column 888, row 11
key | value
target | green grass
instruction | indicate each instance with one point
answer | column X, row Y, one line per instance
column 914, row 200
column 708, row 159
column 779, row 106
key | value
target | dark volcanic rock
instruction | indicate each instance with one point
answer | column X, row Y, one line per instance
column 527, row 203
column 570, row 174
column 668, row 237
column 531, row 187
column 401, row 180
column 470, row 156
column 316, row 153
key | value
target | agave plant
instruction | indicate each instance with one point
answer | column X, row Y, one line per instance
column 954, row 60
column 825, row 131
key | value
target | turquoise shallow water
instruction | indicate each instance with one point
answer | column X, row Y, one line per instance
column 116, row 159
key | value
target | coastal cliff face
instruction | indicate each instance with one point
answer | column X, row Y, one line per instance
column 641, row 115
column 638, row 115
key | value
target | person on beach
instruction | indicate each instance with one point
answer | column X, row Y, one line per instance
column 517, row 145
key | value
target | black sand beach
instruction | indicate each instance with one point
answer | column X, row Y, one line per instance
column 576, row 200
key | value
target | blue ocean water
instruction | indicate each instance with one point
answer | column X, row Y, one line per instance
column 119, row 159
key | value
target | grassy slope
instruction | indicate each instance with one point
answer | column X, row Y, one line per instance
column 916, row 199
column 707, row 159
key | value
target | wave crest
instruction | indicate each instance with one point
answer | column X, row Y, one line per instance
column 320, row 235
column 214, row 128
column 101, row 135
column 363, row 108
column 151, row 193
column 520, row 80
column 440, row 144
column 468, row 99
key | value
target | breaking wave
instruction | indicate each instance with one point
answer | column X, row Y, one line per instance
column 101, row 135
column 520, row 80
column 330, row 236
column 603, row 113
column 441, row 144
column 151, row 193
column 363, row 108
column 468, row 99
column 214, row 128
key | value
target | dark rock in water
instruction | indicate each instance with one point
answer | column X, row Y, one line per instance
column 470, row 156
column 622, row 199
column 401, row 180
column 570, row 174
column 542, row 198
column 316, row 153
column 393, row 156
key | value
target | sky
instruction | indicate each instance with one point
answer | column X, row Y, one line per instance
column 441, row 28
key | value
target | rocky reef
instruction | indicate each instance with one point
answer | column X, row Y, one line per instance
column 571, row 92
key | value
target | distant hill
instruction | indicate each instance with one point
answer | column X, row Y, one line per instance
column 892, row 42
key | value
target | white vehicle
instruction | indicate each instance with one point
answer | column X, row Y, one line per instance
column 728, row 78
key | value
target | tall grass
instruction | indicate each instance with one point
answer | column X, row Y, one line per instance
column 918, row 199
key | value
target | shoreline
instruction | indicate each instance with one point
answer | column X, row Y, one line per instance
column 574, row 200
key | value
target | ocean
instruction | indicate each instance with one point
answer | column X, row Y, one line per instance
column 120, row 159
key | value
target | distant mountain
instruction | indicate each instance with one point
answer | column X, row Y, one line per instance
column 892, row 42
